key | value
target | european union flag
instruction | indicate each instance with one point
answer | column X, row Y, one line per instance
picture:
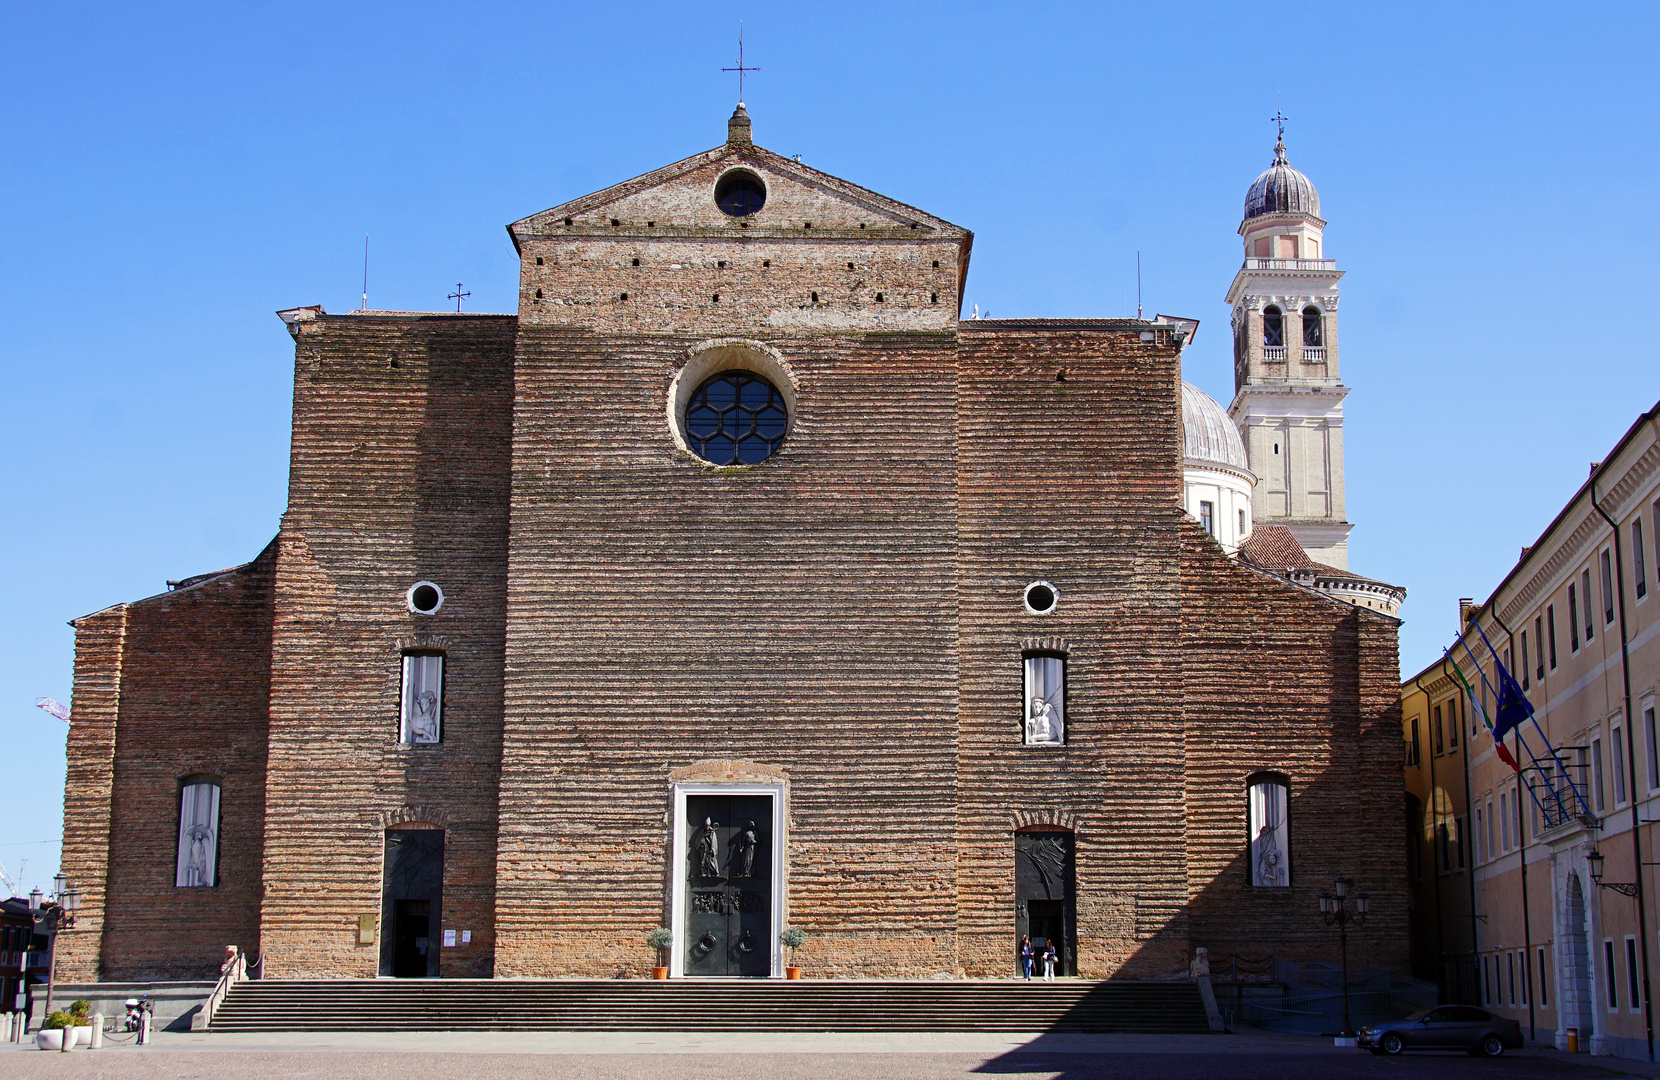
column 1513, row 706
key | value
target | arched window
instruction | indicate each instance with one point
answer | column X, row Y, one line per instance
column 1270, row 837
column 1045, row 698
column 198, row 861
column 1313, row 335
column 1273, row 327
column 421, row 713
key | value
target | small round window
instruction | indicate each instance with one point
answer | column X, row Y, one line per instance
column 735, row 418
column 740, row 193
column 424, row 598
column 1041, row 597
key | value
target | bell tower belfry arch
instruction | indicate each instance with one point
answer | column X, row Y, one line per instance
column 1288, row 392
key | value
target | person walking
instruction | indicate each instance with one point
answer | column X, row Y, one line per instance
column 1049, row 959
column 1026, row 956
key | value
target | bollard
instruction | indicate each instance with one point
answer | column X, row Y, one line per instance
column 6, row 1028
column 144, row 1028
column 97, row 1041
column 1573, row 1040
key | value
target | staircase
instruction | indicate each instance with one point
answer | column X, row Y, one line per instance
column 710, row 1005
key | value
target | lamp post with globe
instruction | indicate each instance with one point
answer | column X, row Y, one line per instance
column 51, row 916
column 1335, row 910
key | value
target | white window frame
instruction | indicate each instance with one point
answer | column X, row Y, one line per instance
column 1610, row 977
column 414, row 665
column 1633, row 980
column 196, row 862
column 1598, row 791
column 1646, row 709
column 1616, row 746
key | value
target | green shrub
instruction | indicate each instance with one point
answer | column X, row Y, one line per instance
column 57, row 1021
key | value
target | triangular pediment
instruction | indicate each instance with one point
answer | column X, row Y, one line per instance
column 680, row 197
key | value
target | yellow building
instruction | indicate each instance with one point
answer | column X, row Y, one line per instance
column 1546, row 875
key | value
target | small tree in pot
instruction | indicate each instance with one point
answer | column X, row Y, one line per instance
column 792, row 939
column 661, row 939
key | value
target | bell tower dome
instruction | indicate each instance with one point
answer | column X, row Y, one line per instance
column 1288, row 396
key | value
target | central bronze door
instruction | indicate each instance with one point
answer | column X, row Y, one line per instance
column 728, row 885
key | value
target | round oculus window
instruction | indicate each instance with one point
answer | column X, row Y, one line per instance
column 740, row 193
column 735, row 418
column 424, row 598
column 1041, row 597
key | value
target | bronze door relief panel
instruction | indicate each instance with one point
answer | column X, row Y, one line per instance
column 728, row 911
column 1045, row 905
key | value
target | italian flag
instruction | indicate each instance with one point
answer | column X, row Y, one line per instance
column 1476, row 709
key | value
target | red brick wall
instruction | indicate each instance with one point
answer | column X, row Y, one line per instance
column 399, row 473
column 1282, row 679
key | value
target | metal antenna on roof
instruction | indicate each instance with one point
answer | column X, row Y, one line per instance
column 1138, row 285
column 458, row 296
column 740, row 69
column 365, row 273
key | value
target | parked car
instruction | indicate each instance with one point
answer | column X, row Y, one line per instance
column 1449, row 1027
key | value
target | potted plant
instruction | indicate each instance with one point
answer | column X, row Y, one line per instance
column 57, row 1030
column 660, row 939
column 80, row 1022
column 792, row 939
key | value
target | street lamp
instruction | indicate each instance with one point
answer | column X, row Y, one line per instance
column 1335, row 910
column 1594, row 859
column 50, row 916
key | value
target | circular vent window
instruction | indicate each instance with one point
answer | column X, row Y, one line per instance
column 1041, row 597
column 740, row 193
column 424, row 598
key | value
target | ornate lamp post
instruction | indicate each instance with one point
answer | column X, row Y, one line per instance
column 1334, row 910
column 50, row 916
column 1624, row 888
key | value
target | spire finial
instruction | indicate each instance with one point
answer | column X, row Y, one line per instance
column 1280, row 118
column 740, row 69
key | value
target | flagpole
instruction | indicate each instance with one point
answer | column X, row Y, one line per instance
column 1469, row 817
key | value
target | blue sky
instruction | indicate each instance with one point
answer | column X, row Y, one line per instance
column 176, row 173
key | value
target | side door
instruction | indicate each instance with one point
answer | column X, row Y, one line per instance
column 1434, row 1031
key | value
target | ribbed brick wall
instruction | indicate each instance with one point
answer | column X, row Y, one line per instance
column 1069, row 473
column 399, row 473
column 799, row 614
column 1279, row 678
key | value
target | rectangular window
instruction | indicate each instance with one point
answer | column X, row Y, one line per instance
column 1550, row 635
column 422, row 713
column 1607, row 588
column 1521, row 962
column 1596, row 774
column 1544, row 981
column 1492, row 848
column 1633, row 988
column 1639, row 571
column 1510, row 974
column 198, row 861
column 1207, row 517
column 1653, row 751
column 1526, row 669
column 1590, row 623
column 1539, row 640
column 1045, row 700
column 1533, row 816
column 1504, row 820
column 1573, row 618
column 1436, row 729
column 1616, row 745
column 1483, row 853
column 1486, row 984
column 1415, row 743
column 1611, row 977
column 1452, row 724
column 1242, row 524
column 1270, row 839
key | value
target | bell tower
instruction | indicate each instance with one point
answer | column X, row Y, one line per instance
column 1288, row 395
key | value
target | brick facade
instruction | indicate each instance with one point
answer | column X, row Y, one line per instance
column 842, row 622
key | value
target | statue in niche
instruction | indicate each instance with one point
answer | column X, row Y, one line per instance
column 1269, row 871
column 196, row 866
column 703, row 844
column 1041, row 726
column 424, row 727
column 743, row 845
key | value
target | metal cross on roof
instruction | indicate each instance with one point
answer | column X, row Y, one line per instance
column 458, row 296
column 1280, row 118
column 740, row 69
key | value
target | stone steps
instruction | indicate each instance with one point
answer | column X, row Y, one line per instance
column 1116, row 1005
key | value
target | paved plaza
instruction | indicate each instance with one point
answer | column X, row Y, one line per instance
column 727, row 1056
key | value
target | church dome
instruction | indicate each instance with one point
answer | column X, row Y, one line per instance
column 1281, row 189
column 1208, row 435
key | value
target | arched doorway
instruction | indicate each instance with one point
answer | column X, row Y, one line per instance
column 1045, row 893
column 1574, row 961
column 412, row 903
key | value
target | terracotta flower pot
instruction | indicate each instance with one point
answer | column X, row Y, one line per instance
column 659, row 972
column 792, row 973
